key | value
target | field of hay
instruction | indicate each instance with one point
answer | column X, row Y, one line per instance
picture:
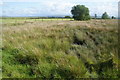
column 60, row 49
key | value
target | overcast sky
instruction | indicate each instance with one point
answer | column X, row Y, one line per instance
column 55, row 7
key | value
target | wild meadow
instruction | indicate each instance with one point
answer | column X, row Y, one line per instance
column 64, row 49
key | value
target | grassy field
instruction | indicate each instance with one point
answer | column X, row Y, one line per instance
column 60, row 49
column 23, row 20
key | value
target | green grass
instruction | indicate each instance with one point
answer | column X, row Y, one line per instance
column 8, row 20
column 60, row 49
column 22, row 21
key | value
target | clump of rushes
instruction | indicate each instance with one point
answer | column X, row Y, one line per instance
column 28, row 58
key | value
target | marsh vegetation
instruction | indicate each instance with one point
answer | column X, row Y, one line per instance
column 60, row 49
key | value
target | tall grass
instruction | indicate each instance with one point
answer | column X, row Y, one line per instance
column 60, row 49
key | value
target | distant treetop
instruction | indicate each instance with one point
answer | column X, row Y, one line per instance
column 105, row 16
column 67, row 17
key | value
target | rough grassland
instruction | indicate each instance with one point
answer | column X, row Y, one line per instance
column 60, row 49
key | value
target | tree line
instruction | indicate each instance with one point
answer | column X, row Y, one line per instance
column 80, row 12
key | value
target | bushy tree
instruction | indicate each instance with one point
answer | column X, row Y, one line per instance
column 67, row 17
column 105, row 16
column 113, row 17
column 80, row 12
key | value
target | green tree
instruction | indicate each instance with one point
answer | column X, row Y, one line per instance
column 105, row 16
column 113, row 17
column 95, row 16
column 80, row 12
column 67, row 17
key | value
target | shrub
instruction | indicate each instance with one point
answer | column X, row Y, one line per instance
column 67, row 17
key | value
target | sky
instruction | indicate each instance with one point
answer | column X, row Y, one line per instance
column 56, row 7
